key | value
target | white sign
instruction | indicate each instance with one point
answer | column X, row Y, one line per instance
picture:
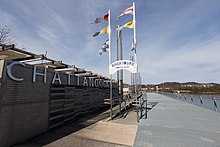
column 123, row 64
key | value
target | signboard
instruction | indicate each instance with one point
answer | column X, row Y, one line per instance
column 121, row 65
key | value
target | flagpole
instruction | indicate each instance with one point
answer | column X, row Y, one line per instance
column 135, row 56
column 135, row 41
column 134, row 19
column 109, row 37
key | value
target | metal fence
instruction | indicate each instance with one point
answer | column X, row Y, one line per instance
column 211, row 102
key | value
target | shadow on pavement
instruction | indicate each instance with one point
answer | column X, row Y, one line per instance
column 145, row 110
column 66, row 129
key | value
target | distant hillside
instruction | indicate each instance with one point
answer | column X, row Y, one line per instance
column 187, row 87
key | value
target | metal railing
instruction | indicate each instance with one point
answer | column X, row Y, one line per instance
column 211, row 102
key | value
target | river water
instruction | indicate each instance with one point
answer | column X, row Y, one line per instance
column 211, row 102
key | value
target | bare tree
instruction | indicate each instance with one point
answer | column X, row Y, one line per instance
column 5, row 35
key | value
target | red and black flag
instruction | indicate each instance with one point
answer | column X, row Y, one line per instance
column 101, row 19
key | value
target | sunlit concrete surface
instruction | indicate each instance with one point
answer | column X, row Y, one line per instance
column 96, row 130
column 102, row 132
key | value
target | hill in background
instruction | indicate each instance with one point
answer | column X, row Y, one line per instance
column 188, row 87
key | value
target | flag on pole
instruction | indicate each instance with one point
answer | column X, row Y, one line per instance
column 103, row 31
column 129, row 25
column 133, row 46
column 104, row 48
column 101, row 19
column 126, row 11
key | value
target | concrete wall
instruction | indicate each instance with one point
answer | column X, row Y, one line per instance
column 28, row 108
column 24, row 106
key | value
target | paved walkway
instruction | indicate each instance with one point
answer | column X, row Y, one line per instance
column 94, row 130
column 173, row 123
column 170, row 123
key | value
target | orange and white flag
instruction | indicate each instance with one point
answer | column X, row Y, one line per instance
column 126, row 11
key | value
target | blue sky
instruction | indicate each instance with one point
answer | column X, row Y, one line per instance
column 177, row 40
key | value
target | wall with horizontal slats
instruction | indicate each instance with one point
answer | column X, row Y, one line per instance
column 29, row 108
